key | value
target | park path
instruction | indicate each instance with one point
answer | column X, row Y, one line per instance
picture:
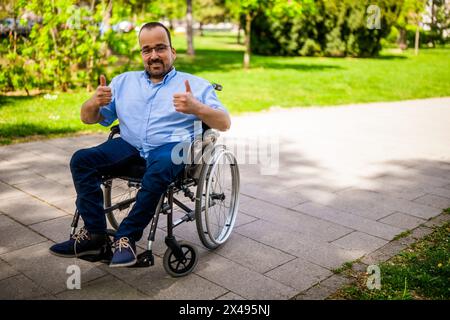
column 338, row 184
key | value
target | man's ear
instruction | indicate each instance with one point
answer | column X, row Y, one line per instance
column 174, row 52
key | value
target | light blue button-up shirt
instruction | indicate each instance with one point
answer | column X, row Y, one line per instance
column 147, row 116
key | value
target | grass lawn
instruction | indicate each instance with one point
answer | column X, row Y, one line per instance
column 272, row 81
column 420, row 272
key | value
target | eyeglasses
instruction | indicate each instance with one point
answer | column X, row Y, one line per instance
column 161, row 48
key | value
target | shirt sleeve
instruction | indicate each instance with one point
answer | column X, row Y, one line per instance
column 210, row 99
column 109, row 111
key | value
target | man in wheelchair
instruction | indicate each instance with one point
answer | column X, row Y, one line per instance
column 156, row 109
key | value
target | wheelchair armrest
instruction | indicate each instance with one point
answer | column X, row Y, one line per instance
column 217, row 86
column 210, row 137
column 113, row 131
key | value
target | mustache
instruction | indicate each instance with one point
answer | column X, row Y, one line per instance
column 150, row 62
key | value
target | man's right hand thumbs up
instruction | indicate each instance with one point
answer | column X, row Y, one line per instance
column 103, row 94
column 102, row 81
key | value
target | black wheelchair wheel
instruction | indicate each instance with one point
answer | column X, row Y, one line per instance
column 180, row 268
column 119, row 195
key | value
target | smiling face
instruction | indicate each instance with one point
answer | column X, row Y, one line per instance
column 157, row 54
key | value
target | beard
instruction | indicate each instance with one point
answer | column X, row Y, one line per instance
column 157, row 68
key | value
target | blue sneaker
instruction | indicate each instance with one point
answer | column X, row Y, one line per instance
column 124, row 254
column 80, row 244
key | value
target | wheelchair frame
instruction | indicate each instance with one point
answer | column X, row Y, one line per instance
column 180, row 257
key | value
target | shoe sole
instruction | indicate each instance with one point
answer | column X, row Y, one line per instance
column 126, row 264
column 81, row 254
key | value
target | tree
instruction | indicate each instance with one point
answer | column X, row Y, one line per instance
column 209, row 11
column 411, row 14
column 439, row 20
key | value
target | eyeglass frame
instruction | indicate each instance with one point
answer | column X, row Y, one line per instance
column 162, row 48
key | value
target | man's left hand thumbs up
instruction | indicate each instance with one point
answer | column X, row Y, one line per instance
column 188, row 86
column 185, row 102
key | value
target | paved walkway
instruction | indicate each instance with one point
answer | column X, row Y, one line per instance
column 349, row 179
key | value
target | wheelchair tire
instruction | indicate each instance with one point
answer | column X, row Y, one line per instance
column 120, row 193
column 177, row 268
column 217, row 199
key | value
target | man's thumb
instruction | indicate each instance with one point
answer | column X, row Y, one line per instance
column 102, row 80
column 188, row 86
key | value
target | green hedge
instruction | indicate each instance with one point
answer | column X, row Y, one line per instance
column 325, row 28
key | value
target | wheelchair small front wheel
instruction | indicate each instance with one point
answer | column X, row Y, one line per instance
column 180, row 267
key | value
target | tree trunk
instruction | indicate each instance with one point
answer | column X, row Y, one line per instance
column 239, row 32
column 416, row 43
column 14, row 27
column 248, row 27
column 189, row 30
column 433, row 26
column 201, row 29
column 106, row 22
column 402, row 39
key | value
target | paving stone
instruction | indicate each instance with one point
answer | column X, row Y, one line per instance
column 299, row 274
column 435, row 169
column 420, row 178
column 295, row 221
column 434, row 201
column 402, row 188
column 6, row 270
column 283, row 199
column 361, row 204
column 322, row 253
column 393, row 248
column 67, row 205
column 47, row 190
column 7, row 192
column 104, row 288
column 246, row 283
column 360, row 242
column 243, row 218
column 421, row 232
column 19, row 287
column 402, row 221
column 29, row 210
column 47, row 270
column 382, row 205
column 251, row 254
column 10, row 151
column 437, row 221
column 157, row 284
column 230, row 296
column 359, row 267
column 325, row 288
column 349, row 220
column 9, row 229
column 18, row 176
column 14, row 152
column 375, row 257
column 243, row 198
column 442, row 192
column 57, row 230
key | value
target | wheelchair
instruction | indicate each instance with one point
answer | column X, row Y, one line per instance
column 212, row 169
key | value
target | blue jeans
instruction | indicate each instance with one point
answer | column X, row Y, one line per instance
column 109, row 158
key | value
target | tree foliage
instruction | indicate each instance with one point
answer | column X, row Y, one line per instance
column 322, row 27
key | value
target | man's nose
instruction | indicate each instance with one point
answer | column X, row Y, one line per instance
column 154, row 55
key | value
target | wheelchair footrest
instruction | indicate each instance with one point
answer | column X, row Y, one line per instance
column 144, row 260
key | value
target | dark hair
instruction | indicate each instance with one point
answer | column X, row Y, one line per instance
column 151, row 25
